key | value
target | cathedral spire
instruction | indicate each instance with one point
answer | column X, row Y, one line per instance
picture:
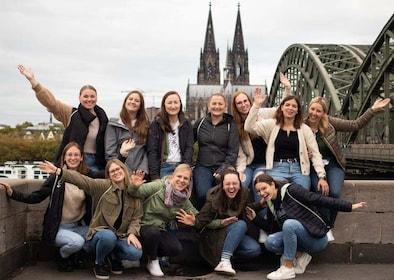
column 209, row 70
column 238, row 44
column 209, row 44
column 238, row 57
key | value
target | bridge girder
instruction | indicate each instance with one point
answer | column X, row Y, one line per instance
column 350, row 77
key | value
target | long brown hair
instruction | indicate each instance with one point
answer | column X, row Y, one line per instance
column 141, row 125
column 163, row 113
column 224, row 202
column 279, row 114
column 323, row 123
column 82, row 167
column 239, row 122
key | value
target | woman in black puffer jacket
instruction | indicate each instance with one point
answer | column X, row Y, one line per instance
column 294, row 222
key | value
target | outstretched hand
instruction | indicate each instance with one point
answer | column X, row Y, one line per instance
column 28, row 73
column 250, row 213
column 228, row 221
column 186, row 218
column 137, row 178
column 361, row 204
column 47, row 167
column 285, row 82
column 7, row 187
column 258, row 96
column 127, row 145
column 380, row 104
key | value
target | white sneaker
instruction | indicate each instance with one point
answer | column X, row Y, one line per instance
column 282, row 273
column 130, row 264
column 225, row 267
column 330, row 236
column 263, row 236
column 154, row 268
column 302, row 263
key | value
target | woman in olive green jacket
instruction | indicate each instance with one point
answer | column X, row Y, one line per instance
column 115, row 224
column 162, row 200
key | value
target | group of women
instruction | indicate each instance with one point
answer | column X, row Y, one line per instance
column 148, row 179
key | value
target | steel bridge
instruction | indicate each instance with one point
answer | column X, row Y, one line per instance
column 351, row 78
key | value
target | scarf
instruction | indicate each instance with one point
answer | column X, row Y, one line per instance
column 173, row 196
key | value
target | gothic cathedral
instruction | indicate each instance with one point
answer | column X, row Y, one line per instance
column 235, row 71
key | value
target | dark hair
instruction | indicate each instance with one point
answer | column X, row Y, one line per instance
column 82, row 167
column 141, row 125
column 163, row 113
column 224, row 203
column 279, row 114
column 264, row 178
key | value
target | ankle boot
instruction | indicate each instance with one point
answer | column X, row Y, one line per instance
column 154, row 269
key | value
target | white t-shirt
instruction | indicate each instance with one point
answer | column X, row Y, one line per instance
column 174, row 150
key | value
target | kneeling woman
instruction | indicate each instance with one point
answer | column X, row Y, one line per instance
column 222, row 225
column 296, row 226
column 116, row 220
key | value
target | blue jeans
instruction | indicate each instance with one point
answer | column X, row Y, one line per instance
column 290, row 171
column 240, row 244
column 167, row 169
column 105, row 242
column 70, row 238
column 203, row 180
column 90, row 160
column 294, row 237
column 335, row 178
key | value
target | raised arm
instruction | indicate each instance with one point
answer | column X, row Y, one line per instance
column 60, row 110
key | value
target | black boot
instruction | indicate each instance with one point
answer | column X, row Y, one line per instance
column 64, row 264
column 78, row 260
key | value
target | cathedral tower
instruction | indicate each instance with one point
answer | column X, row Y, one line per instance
column 209, row 70
column 236, row 70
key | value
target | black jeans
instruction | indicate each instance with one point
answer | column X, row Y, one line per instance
column 158, row 243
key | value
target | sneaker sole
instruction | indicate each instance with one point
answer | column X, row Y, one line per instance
column 228, row 273
column 100, row 276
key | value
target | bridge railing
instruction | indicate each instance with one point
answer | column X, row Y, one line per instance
column 379, row 157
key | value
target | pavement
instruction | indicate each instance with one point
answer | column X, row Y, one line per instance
column 47, row 271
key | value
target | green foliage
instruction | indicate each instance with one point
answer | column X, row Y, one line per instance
column 15, row 148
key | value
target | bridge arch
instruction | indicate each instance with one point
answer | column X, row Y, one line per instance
column 351, row 78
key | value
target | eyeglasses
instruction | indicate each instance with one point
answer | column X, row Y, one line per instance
column 115, row 170
column 71, row 155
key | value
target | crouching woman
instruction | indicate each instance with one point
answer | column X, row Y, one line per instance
column 294, row 222
column 116, row 220
column 222, row 223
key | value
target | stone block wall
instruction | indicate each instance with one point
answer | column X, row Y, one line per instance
column 364, row 236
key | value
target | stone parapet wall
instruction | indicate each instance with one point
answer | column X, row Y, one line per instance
column 363, row 236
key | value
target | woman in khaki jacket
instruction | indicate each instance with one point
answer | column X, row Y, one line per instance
column 116, row 220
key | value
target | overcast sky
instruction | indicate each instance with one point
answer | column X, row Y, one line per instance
column 154, row 45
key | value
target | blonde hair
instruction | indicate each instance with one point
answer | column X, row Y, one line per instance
column 183, row 168
column 323, row 123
